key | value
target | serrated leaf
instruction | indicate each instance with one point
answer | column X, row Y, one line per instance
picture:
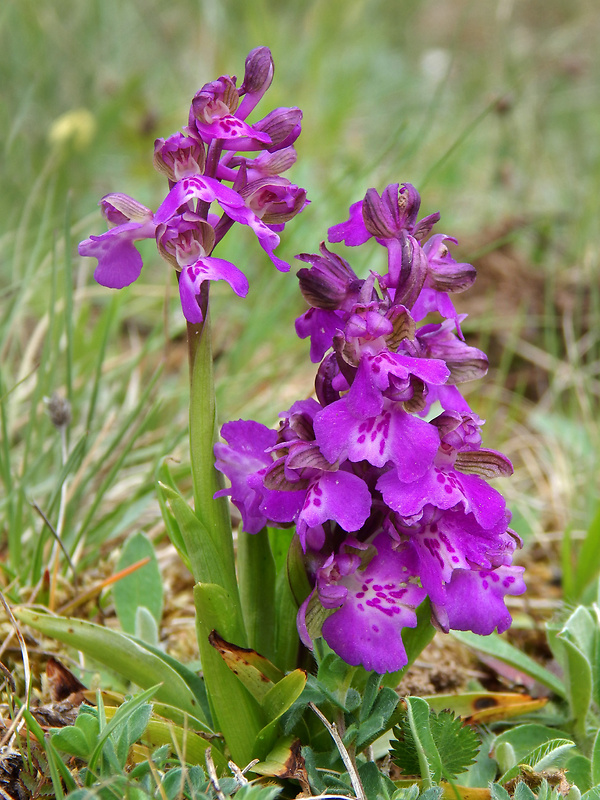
column 457, row 744
column 144, row 587
column 418, row 717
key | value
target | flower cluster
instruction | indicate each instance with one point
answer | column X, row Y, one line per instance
column 211, row 152
column 384, row 473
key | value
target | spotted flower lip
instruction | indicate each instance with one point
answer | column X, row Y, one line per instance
column 376, row 605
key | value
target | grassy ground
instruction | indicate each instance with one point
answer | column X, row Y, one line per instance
column 491, row 109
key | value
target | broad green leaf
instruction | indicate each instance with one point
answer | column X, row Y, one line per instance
column 245, row 664
column 524, row 739
column 581, row 629
column 118, row 652
column 283, row 761
column 235, row 712
column 493, row 645
column 72, row 740
column 281, row 695
column 579, row 772
column 417, row 712
column 592, row 794
column 144, row 587
column 275, row 703
column 256, row 578
column 596, row 760
column 579, row 684
column 202, row 553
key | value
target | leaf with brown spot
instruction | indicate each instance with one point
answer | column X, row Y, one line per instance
column 256, row 672
column 478, row 708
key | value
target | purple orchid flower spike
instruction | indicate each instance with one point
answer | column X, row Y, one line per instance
column 196, row 163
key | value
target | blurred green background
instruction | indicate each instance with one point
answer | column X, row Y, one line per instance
column 492, row 109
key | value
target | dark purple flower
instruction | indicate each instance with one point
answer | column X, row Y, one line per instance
column 212, row 116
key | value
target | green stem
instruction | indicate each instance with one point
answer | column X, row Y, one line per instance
column 213, row 513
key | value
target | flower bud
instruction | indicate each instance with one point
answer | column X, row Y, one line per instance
column 257, row 79
column 282, row 126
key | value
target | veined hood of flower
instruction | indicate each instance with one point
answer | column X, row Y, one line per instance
column 274, row 199
column 215, row 100
column 185, row 241
column 118, row 208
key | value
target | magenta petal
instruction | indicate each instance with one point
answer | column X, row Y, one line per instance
column 353, row 231
column 443, row 489
column 339, row 496
column 211, row 269
column 367, row 629
column 119, row 262
column 242, row 457
column 475, row 600
column 229, row 127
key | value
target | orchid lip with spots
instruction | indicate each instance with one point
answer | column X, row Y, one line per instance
column 384, row 473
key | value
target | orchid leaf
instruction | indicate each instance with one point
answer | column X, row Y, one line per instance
column 142, row 588
column 283, row 694
column 119, row 652
column 163, row 478
column 257, row 673
column 256, row 577
column 493, row 645
column 276, row 702
column 235, row 711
